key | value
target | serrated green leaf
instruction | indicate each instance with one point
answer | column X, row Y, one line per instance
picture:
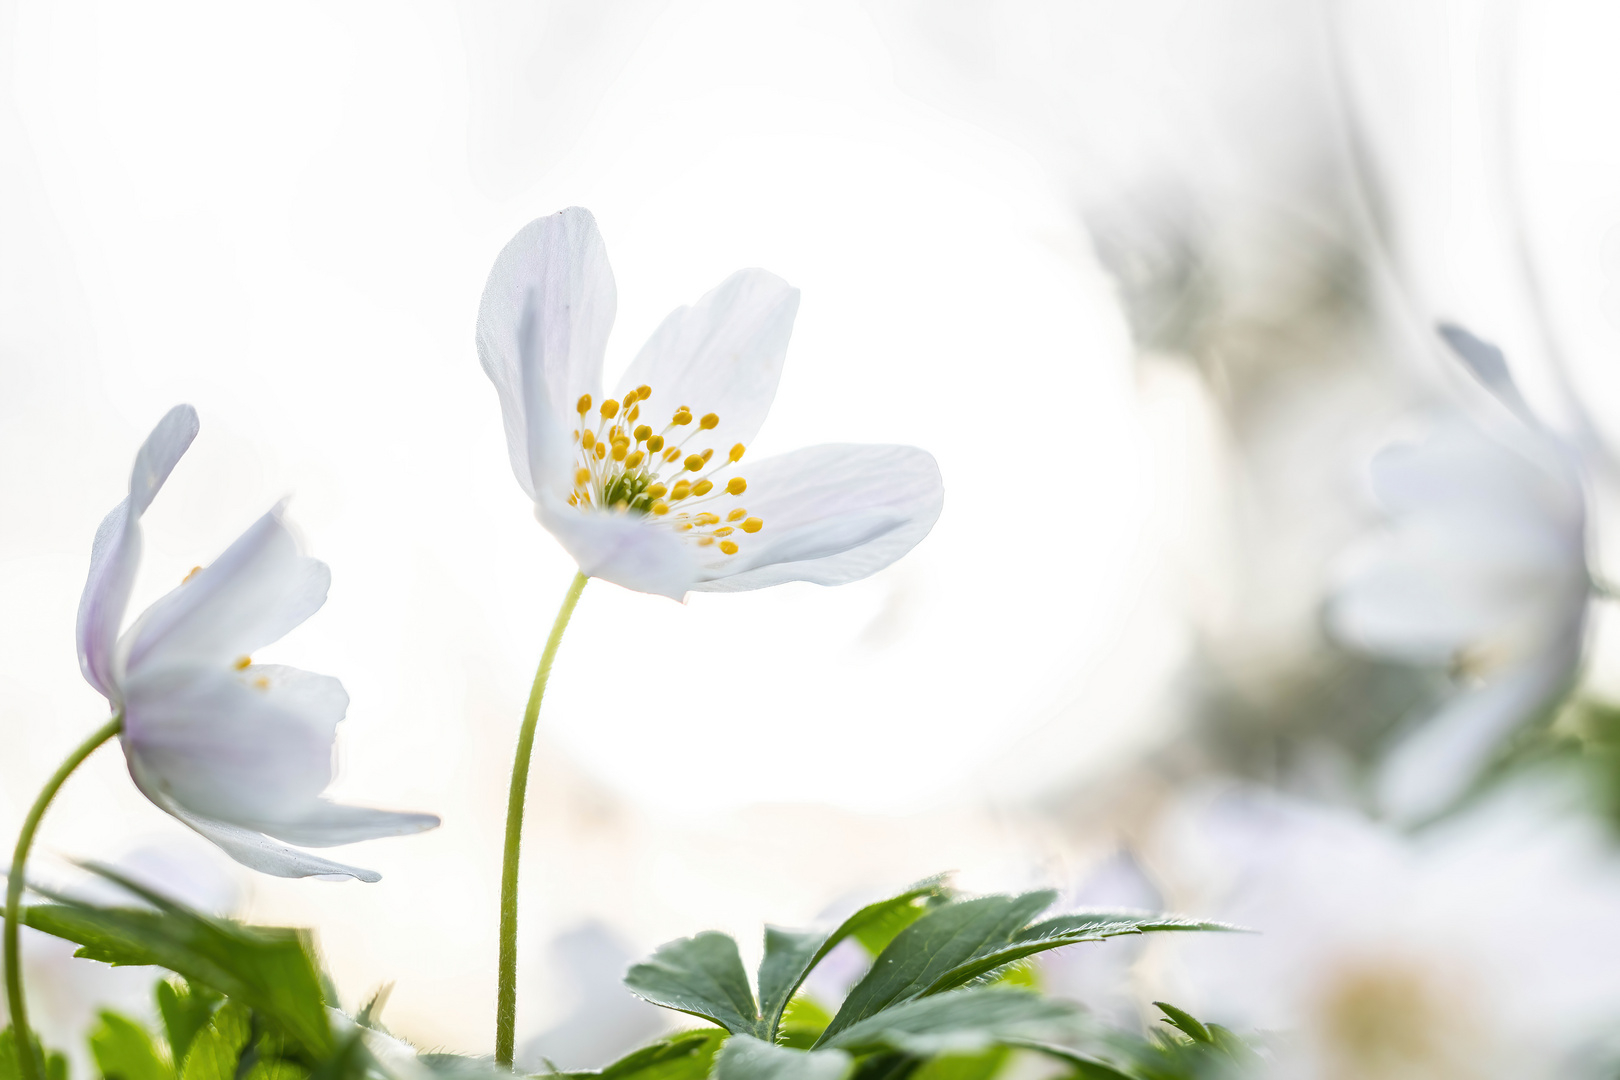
column 267, row 969
column 124, row 1050
column 803, row 1021
column 1185, row 1022
column 981, row 1066
column 889, row 1065
column 276, row 1069
column 701, row 975
column 964, row 1021
column 933, row 946
column 687, row 1056
column 218, row 1047
column 185, row 1010
column 747, row 1058
column 790, row 955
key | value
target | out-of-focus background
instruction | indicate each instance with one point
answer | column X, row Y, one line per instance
column 1154, row 281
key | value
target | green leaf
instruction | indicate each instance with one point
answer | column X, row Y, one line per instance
column 803, row 1021
column 217, row 1049
column 186, row 1010
column 965, row 1021
column 124, row 1050
column 790, row 955
column 747, row 1058
column 1184, row 1021
column 267, row 969
column 11, row 1068
column 981, row 1066
column 276, row 1069
column 701, row 975
column 687, row 1056
column 1085, row 1068
column 933, row 946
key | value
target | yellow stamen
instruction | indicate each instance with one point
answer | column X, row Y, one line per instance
column 724, row 530
column 610, row 409
column 728, row 546
column 657, row 491
column 705, row 541
column 618, row 451
column 752, row 525
column 738, row 451
column 587, row 439
column 681, row 489
column 643, row 392
column 601, row 451
column 694, row 462
column 584, row 405
column 706, row 519
column 642, row 432
column 634, row 414
column 702, row 487
column 262, row 683
column 672, row 453
column 710, row 421
column 737, row 514
column 195, row 570
column 683, row 416
column 706, row 455
column 655, row 443
column 736, row 486
column 582, row 476
column 243, row 663
column 634, row 459
column 660, row 508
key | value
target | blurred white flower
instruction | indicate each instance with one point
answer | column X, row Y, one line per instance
column 1484, row 948
column 603, row 1020
column 240, row 752
column 1484, row 570
column 655, row 504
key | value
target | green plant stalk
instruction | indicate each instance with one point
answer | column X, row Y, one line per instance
column 506, row 992
column 29, row 1065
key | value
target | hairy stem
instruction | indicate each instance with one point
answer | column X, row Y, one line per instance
column 506, row 993
column 28, row 1062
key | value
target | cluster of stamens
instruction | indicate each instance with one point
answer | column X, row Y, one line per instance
column 623, row 464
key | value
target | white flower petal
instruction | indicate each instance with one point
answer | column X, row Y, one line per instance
column 833, row 514
column 251, row 596
column 1433, row 766
column 244, row 747
column 116, row 552
column 628, row 550
column 329, row 824
column 722, row 355
column 543, row 325
column 258, row 852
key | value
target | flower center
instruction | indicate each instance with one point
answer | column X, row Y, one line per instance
column 626, row 467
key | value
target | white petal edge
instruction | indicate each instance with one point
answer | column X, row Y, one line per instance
column 832, row 514
column 543, row 325
column 330, row 824
column 721, row 355
column 260, row 588
column 253, row 849
column 243, row 747
column 116, row 552
column 628, row 550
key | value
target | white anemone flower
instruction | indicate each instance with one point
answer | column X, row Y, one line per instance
column 1482, row 570
column 1484, row 948
column 644, row 488
column 238, row 751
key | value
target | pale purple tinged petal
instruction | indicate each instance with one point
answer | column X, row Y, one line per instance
column 115, row 554
column 832, row 514
column 260, row 588
column 329, row 824
column 543, row 325
column 636, row 552
column 722, row 355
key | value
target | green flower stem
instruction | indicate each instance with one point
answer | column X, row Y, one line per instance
column 30, row 1066
column 506, row 994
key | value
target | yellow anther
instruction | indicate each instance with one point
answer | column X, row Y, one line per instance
column 660, row 508
column 682, row 416
column 681, row 489
column 655, row 443
column 582, row 476
column 573, row 498
column 724, row 530
column 601, row 451
column 584, row 405
column 706, row 455
column 736, row 486
column 729, row 547
column 705, row 541
column 685, row 526
column 642, row 432
column 629, row 400
column 634, row 414
column 618, row 451
column 643, row 392
column 262, row 683
column 737, row 514
column 706, row 519
column 243, row 663
column 610, row 409
column 195, row 570
column 587, row 439
column 672, row 453
column 752, row 525
column 702, row 487
column 657, row 491
column 737, row 452
column 710, row 421
column 634, row 459
column 694, row 462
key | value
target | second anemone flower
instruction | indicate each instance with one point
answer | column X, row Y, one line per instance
column 646, row 487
